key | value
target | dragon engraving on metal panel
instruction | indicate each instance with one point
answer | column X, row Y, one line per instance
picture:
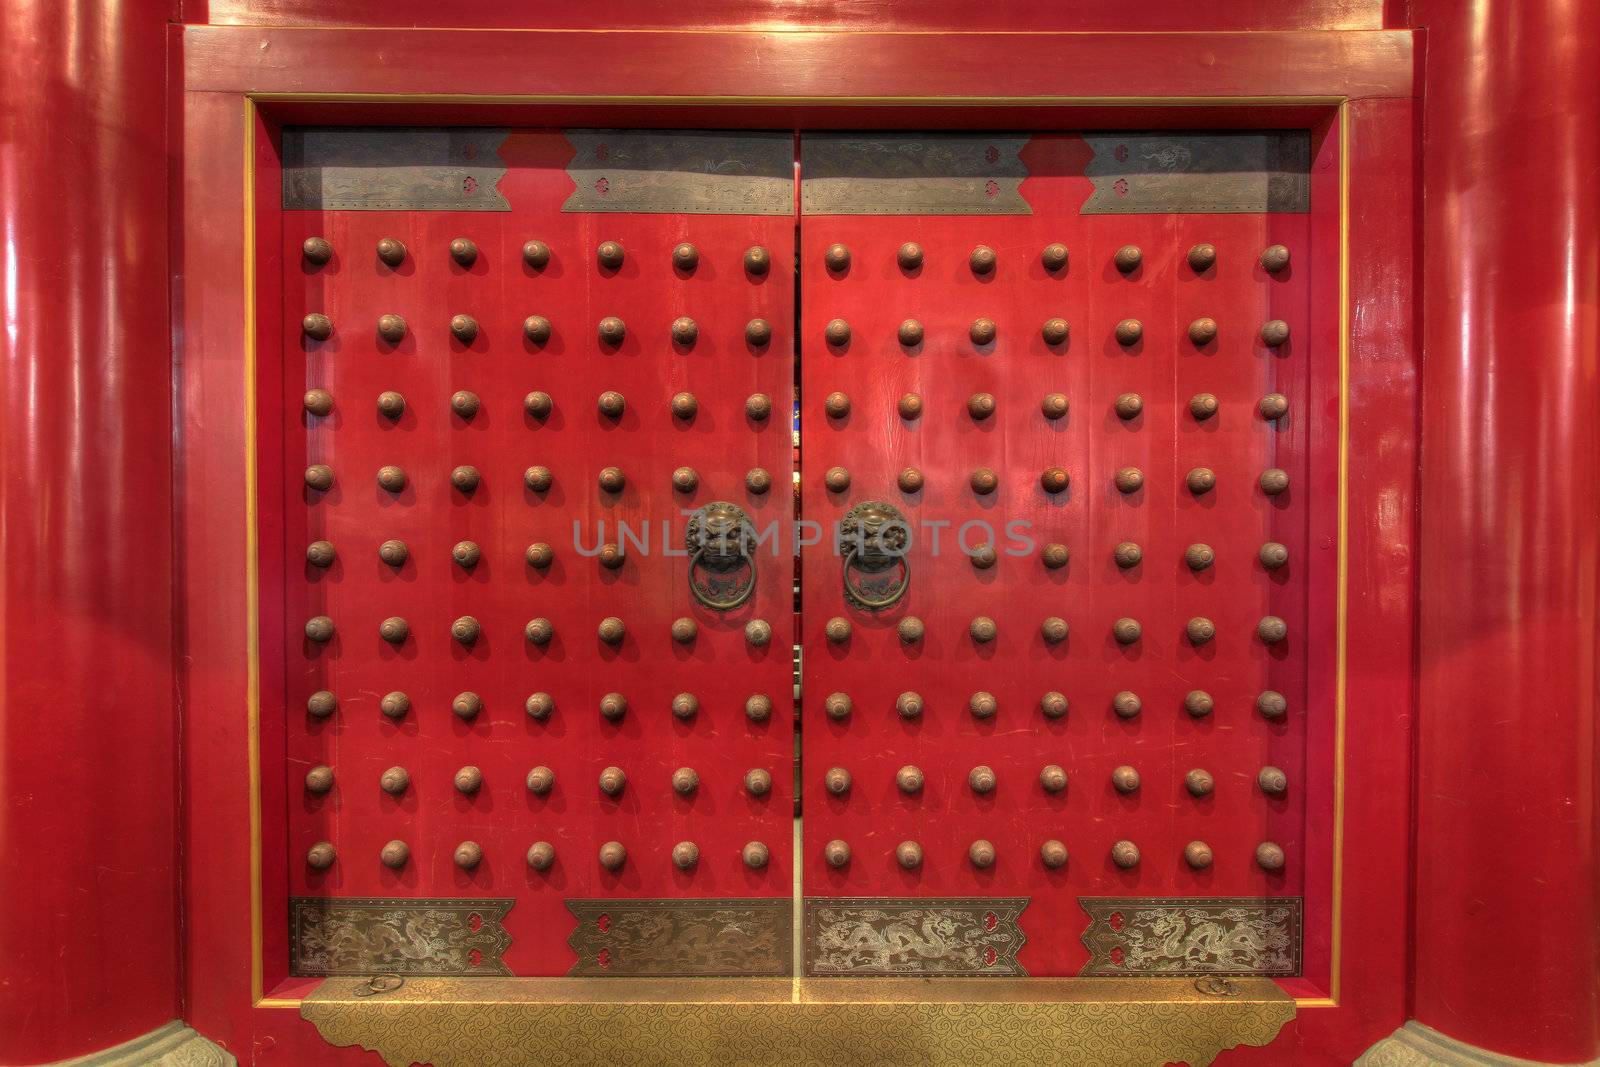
column 363, row 935
column 1168, row 936
column 927, row 937
column 680, row 938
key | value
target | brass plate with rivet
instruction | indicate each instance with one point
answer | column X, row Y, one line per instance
column 1237, row 172
column 392, row 168
column 912, row 174
column 688, row 172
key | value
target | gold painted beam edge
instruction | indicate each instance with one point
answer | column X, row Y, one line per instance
column 271, row 97
column 838, row 992
column 1398, row 33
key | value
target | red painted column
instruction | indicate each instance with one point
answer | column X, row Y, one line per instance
column 1508, row 877
column 88, row 921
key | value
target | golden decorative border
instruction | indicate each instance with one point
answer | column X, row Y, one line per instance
column 252, row 593
column 493, row 1022
column 1341, row 608
column 924, row 1015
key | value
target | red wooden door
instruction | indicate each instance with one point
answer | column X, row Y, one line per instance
column 504, row 753
column 1081, row 725
column 1099, row 718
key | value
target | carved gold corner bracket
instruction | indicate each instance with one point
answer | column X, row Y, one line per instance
column 508, row 1022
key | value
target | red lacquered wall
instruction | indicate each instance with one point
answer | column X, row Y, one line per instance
column 88, row 936
column 1508, row 918
column 1506, row 946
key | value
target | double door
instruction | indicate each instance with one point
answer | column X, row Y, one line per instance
column 732, row 553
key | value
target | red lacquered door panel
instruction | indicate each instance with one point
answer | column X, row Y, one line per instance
column 872, row 913
column 503, row 591
column 952, row 826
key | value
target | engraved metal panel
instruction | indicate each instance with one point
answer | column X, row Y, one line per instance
column 393, row 168
column 912, row 174
column 682, row 938
column 1228, row 173
column 928, row 937
column 690, row 172
column 374, row 935
column 1165, row 936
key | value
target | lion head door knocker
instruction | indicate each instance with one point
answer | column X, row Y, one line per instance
column 874, row 540
column 722, row 558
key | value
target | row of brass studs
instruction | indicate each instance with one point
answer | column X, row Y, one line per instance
column 1199, row 630
column 1053, row 779
column 983, row 480
column 684, row 331
column 468, row 854
column 466, row 404
column 1127, row 631
column 909, row 705
column 685, row 781
column 536, row 328
column 541, row 555
column 1269, row 856
column 983, row 259
column 539, row 706
column 758, row 406
column 610, row 255
column 1128, row 406
column 1125, row 854
column 469, row 780
column 466, row 478
column 466, row 631
column 1055, row 331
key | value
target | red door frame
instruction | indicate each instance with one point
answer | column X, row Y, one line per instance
column 229, row 76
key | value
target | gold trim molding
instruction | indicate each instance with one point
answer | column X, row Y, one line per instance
column 510, row 1022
